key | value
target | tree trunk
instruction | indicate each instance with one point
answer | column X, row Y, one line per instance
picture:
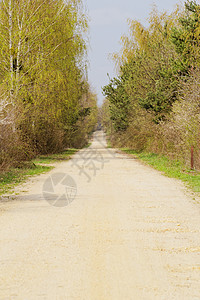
column 10, row 12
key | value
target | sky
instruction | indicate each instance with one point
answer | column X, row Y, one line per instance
column 108, row 22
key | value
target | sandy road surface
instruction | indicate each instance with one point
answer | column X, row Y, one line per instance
column 130, row 233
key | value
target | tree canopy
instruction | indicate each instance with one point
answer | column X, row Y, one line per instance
column 155, row 65
column 44, row 91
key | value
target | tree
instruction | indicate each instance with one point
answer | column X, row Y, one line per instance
column 43, row 84
column 186, row 35
column 147, row 64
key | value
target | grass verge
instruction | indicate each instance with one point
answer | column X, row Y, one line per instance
column 171, row 168
column 14, row 176
column 88, row 145
column 48, row 159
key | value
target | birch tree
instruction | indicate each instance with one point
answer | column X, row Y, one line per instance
column 42, row 63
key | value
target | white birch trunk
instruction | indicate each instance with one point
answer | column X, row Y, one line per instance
column 20, row 27
column 10, row 12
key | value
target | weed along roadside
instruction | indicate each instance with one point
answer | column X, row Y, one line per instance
column 170, row 168
column 41, row 164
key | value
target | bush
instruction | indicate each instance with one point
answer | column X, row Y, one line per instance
column 12, row 149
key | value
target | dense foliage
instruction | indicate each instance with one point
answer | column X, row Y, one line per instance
column 45, row 100
column 154, row 102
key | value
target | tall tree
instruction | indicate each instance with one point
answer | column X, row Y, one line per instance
column 43, row 61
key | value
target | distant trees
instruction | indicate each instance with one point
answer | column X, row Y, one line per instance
column 43, row 84
column 155, row 66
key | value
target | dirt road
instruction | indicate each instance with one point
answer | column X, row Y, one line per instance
column 129, row 234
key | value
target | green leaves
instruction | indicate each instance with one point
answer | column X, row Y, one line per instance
column 45, row 43
column 153, row 104
column 119, row 102
column 185, row 37
column 148, row 76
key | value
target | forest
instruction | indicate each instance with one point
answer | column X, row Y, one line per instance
column 46, row 102
column 153, row 104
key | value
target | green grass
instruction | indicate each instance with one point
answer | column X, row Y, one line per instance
column 109, row 145
column 88, row 145
column 171, row 168
column 14, row 176
column 48, row 159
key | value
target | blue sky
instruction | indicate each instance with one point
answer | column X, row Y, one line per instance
column 108, row 22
